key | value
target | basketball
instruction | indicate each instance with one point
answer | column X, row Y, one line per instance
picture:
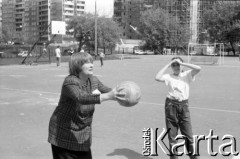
column 132, row 93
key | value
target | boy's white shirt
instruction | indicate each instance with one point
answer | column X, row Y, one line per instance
column 178, row 86
column 58, row 52
column 102, row 55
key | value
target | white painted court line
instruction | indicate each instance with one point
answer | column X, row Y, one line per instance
column 13, row 75
column 147, row 103
column 24, row 90
column 65, row 75
column 217, row 110
column 60, row 75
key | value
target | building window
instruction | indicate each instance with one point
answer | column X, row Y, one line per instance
column 69, row 6
column 19, row 5
column 68, row 11
column 81, row 2
column 80, row 12
column 80, row 7
column 19, row 29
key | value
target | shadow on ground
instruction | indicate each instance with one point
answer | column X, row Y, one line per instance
column 129, row 154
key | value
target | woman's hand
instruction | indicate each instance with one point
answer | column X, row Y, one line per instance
column 113, row 95
column 117, row 94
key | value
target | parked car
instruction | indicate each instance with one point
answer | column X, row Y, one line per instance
column 68, row 52
column 149, row 52
column 1, row 53
column 24, row 54
column 139, row 52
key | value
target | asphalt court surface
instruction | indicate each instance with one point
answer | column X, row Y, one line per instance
column 29, row 94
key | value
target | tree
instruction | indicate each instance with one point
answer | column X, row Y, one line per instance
column 222, row 23
column 82, row 28
column 108, row 32
column 160, row 29
column 7, row 35
column 11, row 35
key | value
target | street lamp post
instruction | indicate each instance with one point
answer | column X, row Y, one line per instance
column 96, row 28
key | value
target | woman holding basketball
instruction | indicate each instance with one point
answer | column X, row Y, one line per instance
column 177, row 114
column 70, row 131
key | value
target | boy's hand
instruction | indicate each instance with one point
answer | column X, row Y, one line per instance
column 179, row 61
column 171, row 62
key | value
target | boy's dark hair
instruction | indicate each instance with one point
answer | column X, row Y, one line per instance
column 177, row 58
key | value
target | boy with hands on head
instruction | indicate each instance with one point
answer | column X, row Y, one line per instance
column 177, row 115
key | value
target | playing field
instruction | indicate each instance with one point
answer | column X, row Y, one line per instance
column 29, row 94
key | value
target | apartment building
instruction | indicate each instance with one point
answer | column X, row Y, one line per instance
column 127, row 13
column 29, row 20
column 8, row 16
column 56, row 10
column 0, row 17
column 190, row 13
column 64, row 11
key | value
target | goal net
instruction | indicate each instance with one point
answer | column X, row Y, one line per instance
column 206, row 53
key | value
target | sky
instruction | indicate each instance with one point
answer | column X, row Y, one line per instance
column 104, row 7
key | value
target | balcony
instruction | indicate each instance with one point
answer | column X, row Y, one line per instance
column 43, row 8
column 43, row 19
column 80, row 7
column 19, row 23
column 81, row 2
column 18, row 16
column 43, row 13
column 18, row 20
column 118, row 4
column 68, row 17
column 19, row 2
column 19, row 10
column 119, row 9
column 69, row 13
column 19, row 6
column 69, row 7
column 43, row 23
column 43, row 3
column 19, row 26
column 69, row 2
column 18, row 29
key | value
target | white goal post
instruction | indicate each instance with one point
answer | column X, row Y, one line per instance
column 215, row 49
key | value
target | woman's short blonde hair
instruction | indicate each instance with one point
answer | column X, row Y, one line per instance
column 76, row 62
